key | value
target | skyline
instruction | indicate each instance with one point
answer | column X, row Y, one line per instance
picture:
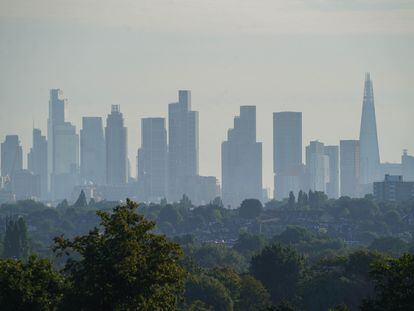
column 132, row 158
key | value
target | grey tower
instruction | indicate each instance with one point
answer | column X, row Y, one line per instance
column 332, row 187
column 182, row 146
column 116, row 148
column 152, row 159
column 92, row 149
column 369, row 152
column 317, row 166
column 287, row 153
column 241, row 158
column 11, row 156
column 37, row 160
column 349, row 164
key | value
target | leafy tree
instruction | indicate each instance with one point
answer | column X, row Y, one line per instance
column 215, row 255
column 279, row 269
column 292, row 200
column 16, row 242
column 81, row 201
column 123, row 267
column 250, row 209
column 389, row 245
column 208, row 290
column 253, row 295
column 394, row 285
column 63, row 204
column 29, row 286
column 248, row 244
column 229, row 278
column 293, row 235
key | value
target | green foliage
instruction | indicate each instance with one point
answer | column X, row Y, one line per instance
column 249, row 244
column 279, row 268
column 394, row 285
column 29, row 286
column 81, row 201
column 16, row 242
column 389, row 245
column 292, row 200
column 250, row 209
column 123, row 267
column 253, row 295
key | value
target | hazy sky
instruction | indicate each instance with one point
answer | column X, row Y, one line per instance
column 300, row 55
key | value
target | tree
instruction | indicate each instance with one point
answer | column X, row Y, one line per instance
column 394, row 284
column 253, row 295
column 247, row 244
column 390, row 245
column 250, row 209
column 63, row 204
column 29, row 286
column 279, row 269
column 124, row 266
column 16, row 242
column 81, row 201
column 292, row 200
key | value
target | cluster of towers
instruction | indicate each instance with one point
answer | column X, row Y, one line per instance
column 96, row 159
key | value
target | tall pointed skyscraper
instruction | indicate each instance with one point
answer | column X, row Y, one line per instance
column 369, row 152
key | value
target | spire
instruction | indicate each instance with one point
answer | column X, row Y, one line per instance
column 369, row 157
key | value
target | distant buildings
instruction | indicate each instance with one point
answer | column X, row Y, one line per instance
column 116, row 148
column 394, row 189
column 332, row 186
column 349, row 164
column 11, row 156
column 37, row 161
column 92, row 151
column 152, row 160
column 317, row 166
column 183, row 146
column 241, row 160
column 287, row 153
column 407, row 163
column 368, row 139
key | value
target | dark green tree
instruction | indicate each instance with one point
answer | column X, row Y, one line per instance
column 123, row 267
column 250, row 209
column 16, row 242
column 253, row 295
column 292, row 200
column 248, row 244
column 29, row 286
column 279, row 268
column 81, row 201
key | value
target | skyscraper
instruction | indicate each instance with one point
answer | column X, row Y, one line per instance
column 241, row 160
column 182, row 145
column 92, row 148
column 57, row 106
column 152, row 159
column 349, row 163
column 11, row 156
column 369, row 153
column 37, row 160
column 407, row 163
column 116, row 148
column 287, row 153
column 317, row 166
column 332, row 187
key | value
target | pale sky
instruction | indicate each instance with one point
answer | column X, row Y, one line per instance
column 299, row 55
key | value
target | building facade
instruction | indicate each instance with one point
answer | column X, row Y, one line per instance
column 37, row 160
column 11, row 156
column 349, row 165
column 332, row 186
column 394, row 189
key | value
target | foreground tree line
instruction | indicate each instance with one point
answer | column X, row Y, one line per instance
column 124, row 264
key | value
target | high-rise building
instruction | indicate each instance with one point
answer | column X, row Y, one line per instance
column 57, row 107
column 37, row 160
column 317, row 166
column 368, row 139
column 287, row 153
column 349, row 164
column 332, row 187
column 116, row 148
column 407, row 163
column 241, row 160
column 152, row 160
column 182, row 145
column 394, row 189
column 11, row 156
column 92, row 151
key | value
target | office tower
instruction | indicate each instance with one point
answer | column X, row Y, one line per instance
column 241, row 160
column 332, row 187
column 92, row 151
column 11, row 156
column 368, row 139
column 66, row 160
column 317, row 166
column 25, row 185
column 407, row 163
column 394, row 189
column 349, row 164
column 57, row 107
column 116, row 148
column 152, row 160
column 37, row 160
column 287, row 153
column 182, row 145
